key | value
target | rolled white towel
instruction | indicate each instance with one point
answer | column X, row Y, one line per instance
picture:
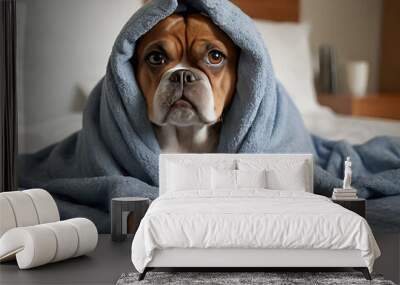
column 40, row 244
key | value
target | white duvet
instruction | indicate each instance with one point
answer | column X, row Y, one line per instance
column 250, row 219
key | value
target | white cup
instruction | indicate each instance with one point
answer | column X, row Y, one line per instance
column 357, row 73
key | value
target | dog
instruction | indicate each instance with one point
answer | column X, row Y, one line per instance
column 186, row 67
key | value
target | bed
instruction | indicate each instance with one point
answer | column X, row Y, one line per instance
column 208, row 217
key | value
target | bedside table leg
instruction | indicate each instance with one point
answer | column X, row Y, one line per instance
column 142, row 275
column 364, row 271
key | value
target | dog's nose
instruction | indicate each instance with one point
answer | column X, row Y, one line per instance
column 183, row 76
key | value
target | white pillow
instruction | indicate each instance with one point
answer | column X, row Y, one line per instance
column 292, row 179
column 289, row 174
column 289, row 48
column 183, row 178
column 227, row 179
column 251, row 178
column 224, row 179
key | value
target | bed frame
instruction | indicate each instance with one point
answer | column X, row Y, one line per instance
column 258, row 259
column 210, row 157
column 262, row 260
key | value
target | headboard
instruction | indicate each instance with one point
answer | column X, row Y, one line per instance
column 232, row 161
column 273, row 10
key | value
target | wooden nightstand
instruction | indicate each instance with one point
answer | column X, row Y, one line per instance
column 356, row 205
column 373, row 105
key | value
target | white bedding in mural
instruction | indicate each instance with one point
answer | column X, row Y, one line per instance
column 325, row 123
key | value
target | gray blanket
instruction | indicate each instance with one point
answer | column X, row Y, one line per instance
column 116, row 152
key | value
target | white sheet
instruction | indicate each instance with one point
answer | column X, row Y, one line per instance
column 355, row 130
column 250, row 219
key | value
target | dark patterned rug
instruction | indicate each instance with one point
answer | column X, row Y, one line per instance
column 243, row 278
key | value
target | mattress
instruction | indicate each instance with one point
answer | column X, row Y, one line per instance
column 253, row 218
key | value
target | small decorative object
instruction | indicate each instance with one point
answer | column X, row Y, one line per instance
column 346, row 192
column 357, row 77
column 121, row 208
column 347, row 174
column 327, row 70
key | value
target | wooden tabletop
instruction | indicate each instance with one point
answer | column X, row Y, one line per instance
column 379, row 105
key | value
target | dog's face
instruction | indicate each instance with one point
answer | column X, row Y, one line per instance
column 186, row 70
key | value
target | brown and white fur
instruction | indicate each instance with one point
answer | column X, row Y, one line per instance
column 186, row 69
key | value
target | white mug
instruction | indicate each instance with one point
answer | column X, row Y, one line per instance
column 357, row 73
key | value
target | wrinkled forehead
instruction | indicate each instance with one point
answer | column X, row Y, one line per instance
column 184, row 30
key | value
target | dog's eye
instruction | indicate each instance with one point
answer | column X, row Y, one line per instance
column 215, row 57
column 156, row 58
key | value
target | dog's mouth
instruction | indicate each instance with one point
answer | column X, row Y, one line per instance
column 186, row 109
column 182, row 103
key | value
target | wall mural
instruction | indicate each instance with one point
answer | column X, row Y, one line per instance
column 187, row 79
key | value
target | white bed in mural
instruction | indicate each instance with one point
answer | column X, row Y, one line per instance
column 322, row 122
column 355, row 130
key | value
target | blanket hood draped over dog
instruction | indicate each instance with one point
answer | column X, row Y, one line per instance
column 116, row 152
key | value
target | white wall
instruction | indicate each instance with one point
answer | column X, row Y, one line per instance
column 61, row 43
column 352, row 27
column 66, row 42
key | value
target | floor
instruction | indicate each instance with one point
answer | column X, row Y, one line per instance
column 110, row 260
column 103, row 266
column 389, row 262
